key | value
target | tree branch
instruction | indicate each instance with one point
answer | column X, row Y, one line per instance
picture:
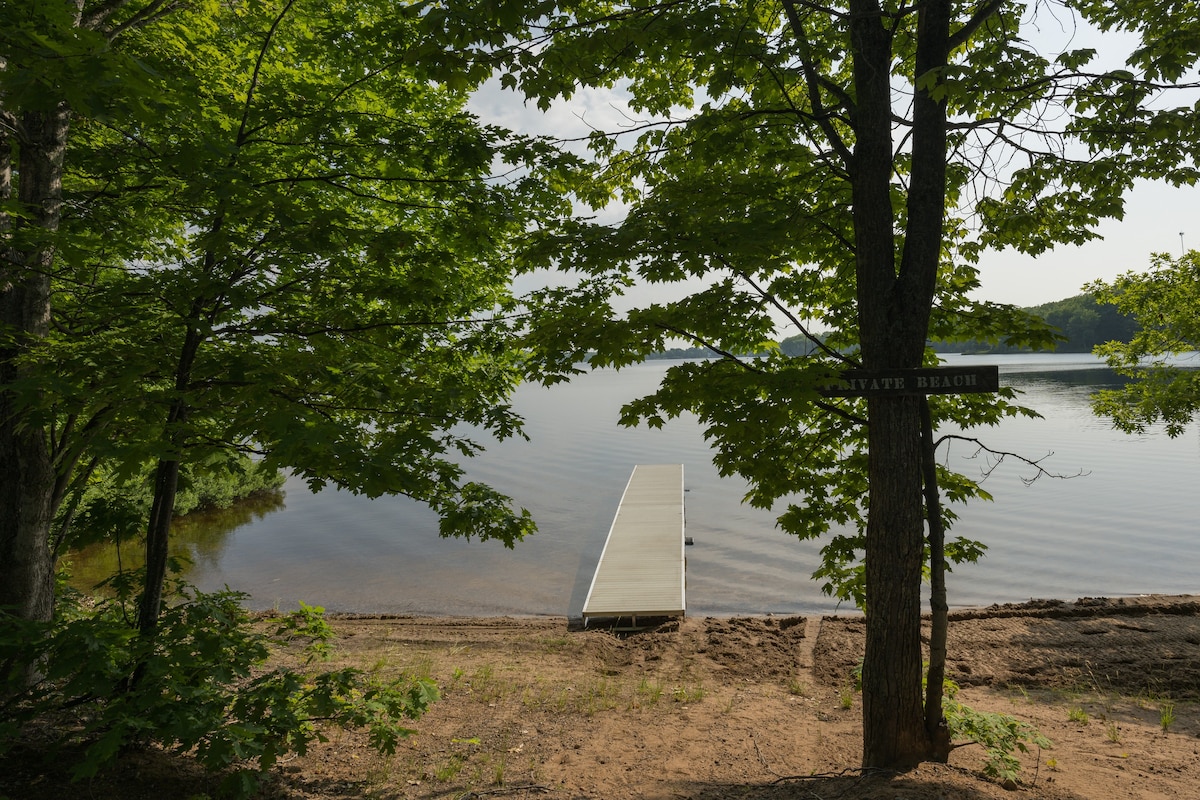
column 981, row 15
column 700, row 340
column 1000, row 455
column 814, row 83
column 774, row 301
column 244, row 128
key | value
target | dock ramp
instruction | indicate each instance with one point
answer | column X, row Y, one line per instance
column 641, row 570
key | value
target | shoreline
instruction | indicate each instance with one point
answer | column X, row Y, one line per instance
column 1035, row 607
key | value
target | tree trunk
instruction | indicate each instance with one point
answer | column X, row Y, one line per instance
column 158, row 538
column 27, row 474
column 935, row 721
column 893, row 723
column 894, row 735
column 166, row 472
column 894, row 305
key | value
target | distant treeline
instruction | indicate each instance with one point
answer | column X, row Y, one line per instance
column 792, row 346
column 1084, row 322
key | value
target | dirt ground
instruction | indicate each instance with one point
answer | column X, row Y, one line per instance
column 760, row 708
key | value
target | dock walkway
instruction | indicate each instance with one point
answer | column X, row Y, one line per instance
column 641, row 570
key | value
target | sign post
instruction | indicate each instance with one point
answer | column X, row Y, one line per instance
column 897, row 382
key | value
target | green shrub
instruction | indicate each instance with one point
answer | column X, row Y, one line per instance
column 200, row 685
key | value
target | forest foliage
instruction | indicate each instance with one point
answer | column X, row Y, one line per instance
column 237, row 238
column 1081, row 323
column 1160, row 357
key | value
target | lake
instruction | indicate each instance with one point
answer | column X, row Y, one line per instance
column 1124, row 526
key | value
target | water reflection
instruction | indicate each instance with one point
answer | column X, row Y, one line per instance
column 198, row 540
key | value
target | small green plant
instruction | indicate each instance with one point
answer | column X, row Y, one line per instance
column 798, row 688
column 846, row 696
column 487, row 686
column 1078, row 716
column 598, row 695
column 1001, row 736
column 688, row 692
column 555, row 644
column 1166, row 714
column 648, row 692
column 1112, row 731
column 449, row 770
column 498, row 770
column 421, row 669
column 379, row 775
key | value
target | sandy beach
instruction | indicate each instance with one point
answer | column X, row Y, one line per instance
column 760, row 707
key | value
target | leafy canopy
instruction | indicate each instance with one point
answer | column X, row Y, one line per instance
column 302, row 250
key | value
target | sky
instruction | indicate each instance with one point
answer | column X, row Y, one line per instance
column 1155, row 216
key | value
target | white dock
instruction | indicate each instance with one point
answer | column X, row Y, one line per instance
column 641, row 570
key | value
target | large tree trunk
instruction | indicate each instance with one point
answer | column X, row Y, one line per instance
column 27, row 475
column 893, row 722
column 894, row 305
column 894, row 734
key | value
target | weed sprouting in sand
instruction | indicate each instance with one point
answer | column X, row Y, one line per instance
column 598, row 695
column 555, row 644
column 449, row 769
column 1166, row 714
column 846, row 695
column 1002, row 737
column 688, row 692
column 648, row 692
column 487, row 686
column 498, row 770
column 421, row 668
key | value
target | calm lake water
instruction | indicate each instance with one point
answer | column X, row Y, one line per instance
column 1124, row 527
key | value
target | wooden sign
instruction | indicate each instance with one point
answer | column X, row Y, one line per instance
column 933, row 380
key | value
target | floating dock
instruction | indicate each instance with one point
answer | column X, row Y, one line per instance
column 641, row 570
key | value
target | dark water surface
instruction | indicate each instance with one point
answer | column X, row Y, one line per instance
column 1126, row 527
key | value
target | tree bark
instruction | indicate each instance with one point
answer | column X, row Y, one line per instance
column 166, row 480
column 158, row 537
column 894, row 735
column 27, row 473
